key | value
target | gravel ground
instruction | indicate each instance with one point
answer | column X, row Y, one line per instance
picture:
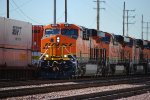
column 35, row 86
column 61, row 94
column 145, row 96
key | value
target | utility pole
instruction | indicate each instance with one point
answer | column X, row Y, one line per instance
column 98, row 13
column 146, row 27
column 7, row 8
column 54, row 11
column 65, row 11
column 128, row 16
column 123, row 19
column 142, row 27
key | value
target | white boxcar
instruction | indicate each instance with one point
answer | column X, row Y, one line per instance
column 17, row 58
column 15, row 42
column 18, row 34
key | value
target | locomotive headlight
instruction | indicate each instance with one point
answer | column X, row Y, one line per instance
column 58, row 39
column 65, row 56
column 47, row 55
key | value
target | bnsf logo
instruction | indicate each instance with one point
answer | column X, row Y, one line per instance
column 57, row 44
column 16, row 30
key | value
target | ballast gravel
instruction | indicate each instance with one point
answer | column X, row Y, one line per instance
column 75, row 92
column 145, row 96
column 37, row 86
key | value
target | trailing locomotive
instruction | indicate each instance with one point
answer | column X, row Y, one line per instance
column 70, row 50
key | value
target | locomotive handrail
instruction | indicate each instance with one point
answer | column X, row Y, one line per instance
column 44, row 53
column 76, row 62
column 70, row 53
column 42, row 56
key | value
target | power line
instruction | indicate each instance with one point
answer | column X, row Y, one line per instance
column 92, row 22
column 61, row 16
column 16, row 8
column 127, row 17
column 24, row 13
column 18, row 11
column 23, row 4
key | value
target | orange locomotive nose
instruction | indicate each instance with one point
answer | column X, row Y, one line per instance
column 58, row 46
column 58, row 50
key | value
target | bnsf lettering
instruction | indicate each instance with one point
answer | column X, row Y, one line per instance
column 56, row 44
column 16, row 30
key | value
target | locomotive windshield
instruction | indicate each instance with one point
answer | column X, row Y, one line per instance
column 119, row 38
column 128, row 41
column 145, row 43
column 105, row 39
column 139, row 42
column 51, row 31
column 73, row 33
column 148, row 45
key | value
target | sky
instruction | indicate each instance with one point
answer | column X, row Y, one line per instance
column 82, row 12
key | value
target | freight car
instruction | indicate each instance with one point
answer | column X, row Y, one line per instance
column 71, row 50
column 15, row 48
column 37, row 34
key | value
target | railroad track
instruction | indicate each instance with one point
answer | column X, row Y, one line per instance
column 110, row 95
column 12, row 92
column 10, row 83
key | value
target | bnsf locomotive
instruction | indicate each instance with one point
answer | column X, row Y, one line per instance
column 69, row 50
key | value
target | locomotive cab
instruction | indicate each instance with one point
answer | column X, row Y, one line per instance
column 149, row 45
column 118, row 39
column 128, row 51
column 140, row 63
column 58, row 50
column 118, row 64
column 145, row 44
column 55, row 44
column 146, row 50
column 128, row 41
column 105, row 37
column 139, row 43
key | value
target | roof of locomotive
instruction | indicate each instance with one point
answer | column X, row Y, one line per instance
column 94, row 32
column 62, row 25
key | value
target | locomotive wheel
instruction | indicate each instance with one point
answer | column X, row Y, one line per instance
column 112, row 69
column 127, row 69
column 105, row 70
column 134, row 68
column 145, row 68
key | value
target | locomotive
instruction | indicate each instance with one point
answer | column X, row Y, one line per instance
column 69, row 50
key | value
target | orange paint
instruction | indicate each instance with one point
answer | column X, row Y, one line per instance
column 37, row 34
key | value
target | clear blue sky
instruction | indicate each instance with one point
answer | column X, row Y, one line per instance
column 80, row 12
